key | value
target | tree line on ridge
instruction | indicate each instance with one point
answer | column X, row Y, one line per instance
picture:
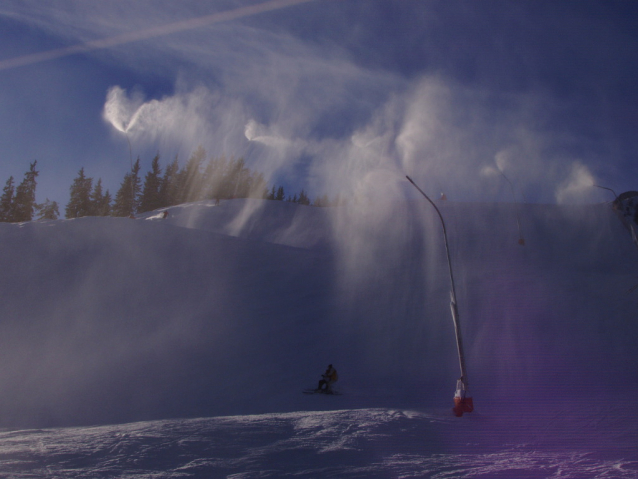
column 201, row 178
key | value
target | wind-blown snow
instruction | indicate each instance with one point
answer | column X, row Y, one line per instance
column 226, row 312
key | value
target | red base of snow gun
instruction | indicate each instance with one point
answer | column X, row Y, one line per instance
column 462, row 405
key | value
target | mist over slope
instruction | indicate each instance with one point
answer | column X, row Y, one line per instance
column 234, row 308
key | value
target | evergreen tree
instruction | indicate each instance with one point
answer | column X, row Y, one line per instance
column 108, row 201
column 217, row 177
column 80, row 203
column 107, row 204
column 126, row 198
column 180, row 186
column 322, row 201
column 213, row 177
column 240, row 179
column 258, row 186
column 228, row 183
column 303, row 198
column 280, row 194
column 6, row 201
column 168, row 185
column 271, row 195
column 100, row 202
column 24, row 202
column 150, row 199
column 191, row 178
column 48, row 210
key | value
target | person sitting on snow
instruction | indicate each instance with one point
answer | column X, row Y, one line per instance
column 328, row 379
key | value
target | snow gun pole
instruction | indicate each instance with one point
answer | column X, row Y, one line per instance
column 521, row 240
column 130, row 157
column 608, row 189
column 462, row 404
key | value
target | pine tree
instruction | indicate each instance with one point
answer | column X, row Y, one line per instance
column 168, row 185
column 258, row 186
column 322, row 201
column 303, row 198
column 6, row 201
column 150, row 199
column 213, row 176
column 100, row 202
column 228, row 183
column 239, row 179
column 216, row 178
column 107, row 204
column 80, row 204
column 24, row 202
column 190, row 177
column 280, row 194
column 126, row 198
column 48, row 210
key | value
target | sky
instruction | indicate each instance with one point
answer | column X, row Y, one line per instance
column 336, row 97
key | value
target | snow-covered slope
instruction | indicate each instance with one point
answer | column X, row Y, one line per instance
column 353, row 443
column 232, row 309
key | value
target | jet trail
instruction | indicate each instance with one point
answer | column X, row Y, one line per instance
column 149, row 33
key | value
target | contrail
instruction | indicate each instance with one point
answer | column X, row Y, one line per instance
column 149, row 33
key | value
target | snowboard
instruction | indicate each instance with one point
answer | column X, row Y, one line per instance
column 322, row 391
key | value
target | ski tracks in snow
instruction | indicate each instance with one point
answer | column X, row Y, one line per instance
column 370, row 443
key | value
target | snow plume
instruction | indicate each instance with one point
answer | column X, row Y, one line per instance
column 119, row 109
column 279, row 152
column 502, row 159
column 498, row 179
column 448, row 132
column 318, row 121
column 428, row 139
column 577, row 186
column 185, row 118
column 256, row 132
column 489, row 171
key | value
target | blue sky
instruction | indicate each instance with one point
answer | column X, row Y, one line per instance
column 331, row 96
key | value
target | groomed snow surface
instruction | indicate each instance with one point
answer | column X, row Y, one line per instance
column 179, row 347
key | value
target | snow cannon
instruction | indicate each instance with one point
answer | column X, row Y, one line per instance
column 462, row 403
